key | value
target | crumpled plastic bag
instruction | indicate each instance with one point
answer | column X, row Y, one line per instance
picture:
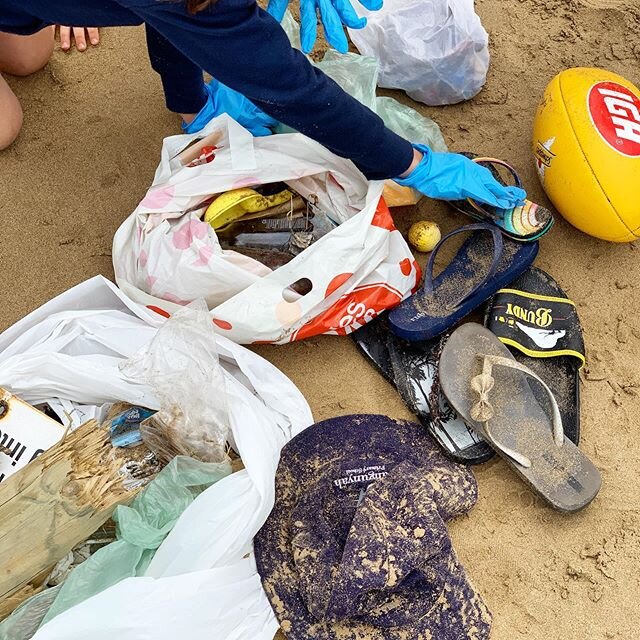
column 25, row 620
column 202, row 582
column 435, row 50
column 141, row 528
column 358, row 75
column 181, row 365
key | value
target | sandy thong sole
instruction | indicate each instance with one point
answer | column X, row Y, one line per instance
column 491, row 391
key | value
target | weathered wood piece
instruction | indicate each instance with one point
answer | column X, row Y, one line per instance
column 57, row 501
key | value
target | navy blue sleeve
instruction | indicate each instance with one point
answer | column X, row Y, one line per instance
column 245, row 48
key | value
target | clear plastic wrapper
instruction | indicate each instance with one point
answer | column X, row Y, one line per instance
column 182, row 367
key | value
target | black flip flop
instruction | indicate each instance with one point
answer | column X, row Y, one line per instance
column 525, row 223
column 540, row 325
column 411, row 367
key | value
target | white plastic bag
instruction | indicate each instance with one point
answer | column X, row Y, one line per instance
column 436, row 50
column 164, row 256
column 203, row 580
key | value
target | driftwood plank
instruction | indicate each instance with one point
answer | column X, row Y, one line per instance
column 56, row 502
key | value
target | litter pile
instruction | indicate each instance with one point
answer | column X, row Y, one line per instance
column 159, row 480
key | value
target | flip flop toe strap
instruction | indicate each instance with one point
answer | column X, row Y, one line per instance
column 483, row 411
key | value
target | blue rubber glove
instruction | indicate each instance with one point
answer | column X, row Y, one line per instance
column 333, row 14
column 451, row 176
column 222, row 99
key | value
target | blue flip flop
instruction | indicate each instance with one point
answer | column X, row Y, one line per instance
column 485, row 263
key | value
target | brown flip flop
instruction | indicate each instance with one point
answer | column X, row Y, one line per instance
column 490, row 390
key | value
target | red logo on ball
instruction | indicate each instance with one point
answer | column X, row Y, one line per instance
column 615, row 112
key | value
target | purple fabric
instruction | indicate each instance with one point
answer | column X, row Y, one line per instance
column 356, row 545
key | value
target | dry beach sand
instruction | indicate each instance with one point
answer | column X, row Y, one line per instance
column 93, row 128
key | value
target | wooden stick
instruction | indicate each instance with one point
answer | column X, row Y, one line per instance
column 56, row 502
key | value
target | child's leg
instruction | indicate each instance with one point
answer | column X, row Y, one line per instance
column 11, row 120
column 24, row 55
column 19, row 56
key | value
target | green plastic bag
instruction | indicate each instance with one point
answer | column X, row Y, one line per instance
column 140, row 530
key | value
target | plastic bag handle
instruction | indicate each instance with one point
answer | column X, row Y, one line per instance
column 243, row 156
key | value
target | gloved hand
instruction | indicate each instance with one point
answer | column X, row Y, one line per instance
column 451, row 176
column 333, row 14
column 222, row 99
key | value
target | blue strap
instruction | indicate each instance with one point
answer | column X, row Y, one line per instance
column 498, row 248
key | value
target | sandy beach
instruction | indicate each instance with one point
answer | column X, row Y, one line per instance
column 94, row 124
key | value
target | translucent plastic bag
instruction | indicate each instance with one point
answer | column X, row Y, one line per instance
column 141, row 528
column 358, row 76
column 436, row 50
column 181, row 365
column 25, row 620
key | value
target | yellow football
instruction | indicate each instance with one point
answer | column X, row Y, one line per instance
column 424, row 235
column 586, row 141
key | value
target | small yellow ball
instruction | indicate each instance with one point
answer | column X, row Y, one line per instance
column 424, row 235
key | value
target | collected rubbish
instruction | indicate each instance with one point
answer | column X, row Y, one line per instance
column 586, row 145
column 141, row 529
column 69, row 353
column 182, row 367
column 525, row 223
column 58, row 500
column 424, row 235
column 493, row 393
column 125, row 427
column 412, row 368
column 357, row 543
column 236, row 203
column 541, row 327
column 25, row 433
column 435, row 50
column 485, row 263
column 23, row 623
column 165, row 256
column 271, row 234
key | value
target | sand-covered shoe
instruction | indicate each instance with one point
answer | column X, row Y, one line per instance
column 492, row 392
column 523, row 223
column 485, row 263
column 541, row 327
column 412, row 368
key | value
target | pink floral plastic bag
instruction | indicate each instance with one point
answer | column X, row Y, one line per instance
column 165, row 256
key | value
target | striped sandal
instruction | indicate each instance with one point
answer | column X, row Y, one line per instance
column 524, row 223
